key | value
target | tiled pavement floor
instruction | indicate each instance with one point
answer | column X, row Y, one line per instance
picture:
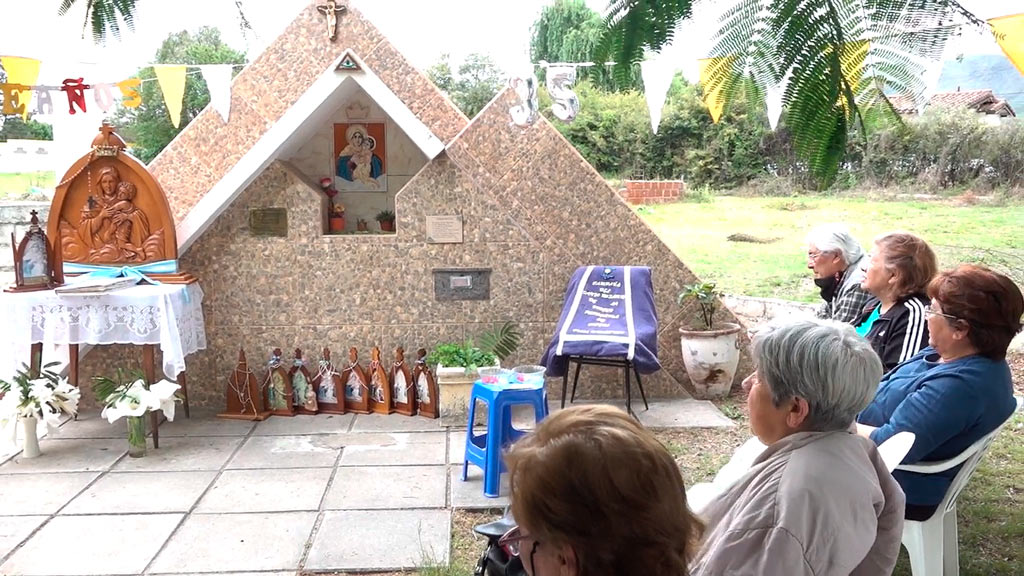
column 316, row 493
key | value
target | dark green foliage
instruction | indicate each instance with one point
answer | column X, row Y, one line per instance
column 706, row 297
column 149, row 124
column 14, row 128
column 501, row 342
column 478, row 80
column 385, row 216
column 109, row 391
column 464, row 355
column 103, row 16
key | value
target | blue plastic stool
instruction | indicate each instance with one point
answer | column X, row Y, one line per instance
column 484, row 450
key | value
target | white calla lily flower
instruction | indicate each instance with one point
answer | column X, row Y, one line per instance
column 164, row 390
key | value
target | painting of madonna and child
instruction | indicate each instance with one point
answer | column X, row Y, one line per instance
column 360, row 164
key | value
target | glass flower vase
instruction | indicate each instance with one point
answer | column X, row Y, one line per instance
column 136, row 436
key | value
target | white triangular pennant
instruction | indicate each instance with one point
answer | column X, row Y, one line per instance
column 657, row 76
column 218, row 82
column 773, row 100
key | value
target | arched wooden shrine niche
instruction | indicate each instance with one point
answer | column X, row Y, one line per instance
column 108, row 210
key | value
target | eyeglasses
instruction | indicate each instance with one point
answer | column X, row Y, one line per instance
column 513, row 538
column 815, row 255
column 929, row 311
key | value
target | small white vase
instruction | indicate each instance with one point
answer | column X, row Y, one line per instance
column 31, row 446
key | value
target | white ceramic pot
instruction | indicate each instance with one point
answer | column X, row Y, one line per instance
column 711, row 357
column 31, row 447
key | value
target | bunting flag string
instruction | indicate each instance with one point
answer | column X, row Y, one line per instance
column 172, row 83
column 1009, row 33
column 23, row 73
column 712, row 78
column 657, row 76
column 218, row 82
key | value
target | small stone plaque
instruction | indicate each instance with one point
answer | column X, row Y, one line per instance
column 268, row 222
column 444, row 229
column 452, row 284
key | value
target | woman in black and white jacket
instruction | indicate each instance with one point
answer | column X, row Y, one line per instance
column 896, row 275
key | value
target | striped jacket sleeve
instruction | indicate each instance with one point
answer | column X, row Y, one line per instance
column 907, row 335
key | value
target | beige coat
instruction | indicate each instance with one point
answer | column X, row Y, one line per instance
column 818, row 503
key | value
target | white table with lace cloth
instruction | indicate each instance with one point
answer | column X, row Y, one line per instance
column 166, row 315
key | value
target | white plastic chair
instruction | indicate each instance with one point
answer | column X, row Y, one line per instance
column 896, row 448
column 933, row 545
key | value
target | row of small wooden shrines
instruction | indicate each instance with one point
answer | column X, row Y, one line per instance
column 287, row 391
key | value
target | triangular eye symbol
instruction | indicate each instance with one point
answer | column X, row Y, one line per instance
column 348, row 62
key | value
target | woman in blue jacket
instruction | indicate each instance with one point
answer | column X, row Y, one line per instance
column 958, row 389
column 897, row 274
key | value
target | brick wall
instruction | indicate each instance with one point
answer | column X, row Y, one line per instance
column 652, row 191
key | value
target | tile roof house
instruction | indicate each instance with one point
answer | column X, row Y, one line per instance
column 532, row 208
column 981, row 101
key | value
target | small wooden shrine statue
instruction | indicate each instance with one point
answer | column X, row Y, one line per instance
column 380, row 387
column 426, row 386
column 244, row 401
column 37, row 264
column 330, row 388
column 304, row 396
column 278, row 387
column 357, row 385
column 403, row 392
column 109, row 211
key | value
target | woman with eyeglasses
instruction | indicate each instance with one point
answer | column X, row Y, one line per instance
column 837, row 260
column 957, row 390
column 594, row 493
column 896, row 275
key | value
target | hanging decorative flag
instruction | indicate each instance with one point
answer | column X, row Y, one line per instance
column 130, row 96
column 712, row 77
column 75, row 91
column 773, row 103
column 851, row 62
column 172, row 83
column 218, row 82
column 657, row 76
column 103, row 97
column 1009, row 33
column 23, row 71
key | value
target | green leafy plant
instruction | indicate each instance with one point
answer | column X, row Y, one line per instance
column 464, row 355
column 707, row 298
column 501, row 342
column 385, row 216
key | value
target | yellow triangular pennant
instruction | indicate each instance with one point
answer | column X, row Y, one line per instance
column 172, row 83
column 712, row 78
column 24, row 71
column 1009, row 33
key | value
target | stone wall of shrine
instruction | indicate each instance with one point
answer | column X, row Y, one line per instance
column 533, row 209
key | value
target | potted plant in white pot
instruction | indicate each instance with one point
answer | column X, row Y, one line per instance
column 27, row 400
column 711, row 351
column 458, row 365
column 130, row 396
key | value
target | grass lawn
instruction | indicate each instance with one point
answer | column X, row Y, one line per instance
column 697, row 233
column 19, row 184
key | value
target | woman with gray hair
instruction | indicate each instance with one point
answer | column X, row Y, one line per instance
column 819, row 500
column 838, row 262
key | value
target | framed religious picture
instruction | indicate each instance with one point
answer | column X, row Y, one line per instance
column 357, row 385
column 304, row 396
column 360, row 157
column 380, row 387
column 403, row 393
column 278, row 387
column 35, row 267
column 243, row 398
column 426, row 386
column 330, row 388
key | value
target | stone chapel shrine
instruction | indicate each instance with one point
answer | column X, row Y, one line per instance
column 515, row 210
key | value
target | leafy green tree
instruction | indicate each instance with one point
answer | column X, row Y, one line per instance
column 478, row 80
column 149, row 126
column 817, row 43
column 104, row 17
column 569, row 31
column 14, row 128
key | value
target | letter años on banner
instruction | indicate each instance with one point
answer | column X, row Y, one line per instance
column 565, row 105
column 130, row 97
column 12, row 98
column 101, row 94
column 44, row 102
column 75, row 90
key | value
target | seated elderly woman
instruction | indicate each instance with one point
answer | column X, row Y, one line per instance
column 595, row 493
column 819, row 500
column 899, row 269
column 958, row 389
column 838, row 262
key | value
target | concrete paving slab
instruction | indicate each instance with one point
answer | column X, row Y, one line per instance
column 470, row 494
column 87, row 545
column 319, row 424
column 69, row 456
column 368, row 540
column 287, row 452
column 40, row 493
column 270, row 490
column 138, row 492
column 387, row 487
column 204, row 423
column 91, row 425
column 682, row 413
column 14, row 530
column 414, row 448
column 242, row 542
column 182, row 454
column 394, row 423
